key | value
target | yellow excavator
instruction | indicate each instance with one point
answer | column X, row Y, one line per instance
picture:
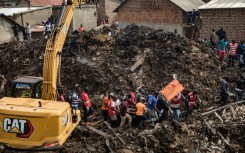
column 32, row 118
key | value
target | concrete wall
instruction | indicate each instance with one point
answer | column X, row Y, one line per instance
column 87, row 16
column 6, row 30
column 33, row 17
column 232, row 20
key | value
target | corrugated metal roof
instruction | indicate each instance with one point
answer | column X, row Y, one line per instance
column 46, row 2
column 219, row 4
column 17, row 10
column 188, row 5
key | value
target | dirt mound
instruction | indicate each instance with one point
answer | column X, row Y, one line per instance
column 119, row 61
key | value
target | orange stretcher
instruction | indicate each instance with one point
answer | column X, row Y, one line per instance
column 172, row 89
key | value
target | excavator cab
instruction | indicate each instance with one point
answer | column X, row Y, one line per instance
column 25, row 87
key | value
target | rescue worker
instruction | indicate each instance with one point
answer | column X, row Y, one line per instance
column 131, row 99
column 112, row 110
column 104, row 107
column 151, row 108
column 162, row 106
column 140, row 110
column 74, row 100
column 124, row 114
column 86, row 104
column 175, row 105
column 224, row 90
column 191, row 99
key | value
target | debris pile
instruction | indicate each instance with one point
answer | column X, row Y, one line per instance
column 124, row 60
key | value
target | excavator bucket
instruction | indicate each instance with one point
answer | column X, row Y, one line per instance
column 35, row 124
column 172, row 89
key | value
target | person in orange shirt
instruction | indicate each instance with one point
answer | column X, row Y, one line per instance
column 140, row 110
column 104, row 107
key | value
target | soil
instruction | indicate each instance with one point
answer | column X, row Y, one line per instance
column 100, row 62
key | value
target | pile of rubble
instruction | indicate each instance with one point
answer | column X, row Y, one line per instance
column 116, row 60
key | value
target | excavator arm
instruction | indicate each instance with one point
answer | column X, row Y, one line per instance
column 54, row 47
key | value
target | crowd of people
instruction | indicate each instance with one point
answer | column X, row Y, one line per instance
column 233, row 50
column 135, row 108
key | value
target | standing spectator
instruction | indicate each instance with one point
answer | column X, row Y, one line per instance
column 28, row 31
column 48, row 29
column 232, row 52
column 224, row 90
column 81, row 28
column 222, row 45
column 240, row 52
column 106, row 19
column 86, row 104
column 240, row 88
column 16, row 32
column 212, row 38
column 221, row 33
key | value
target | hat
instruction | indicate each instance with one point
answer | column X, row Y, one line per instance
column 111, row 94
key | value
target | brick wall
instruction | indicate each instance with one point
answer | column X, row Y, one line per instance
column 150, row 11
column 110, row 6
column 232, row 20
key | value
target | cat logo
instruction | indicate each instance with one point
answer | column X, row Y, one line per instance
column 22, row 128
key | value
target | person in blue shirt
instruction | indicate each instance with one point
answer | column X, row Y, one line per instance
column 151, row 108
column 222, row 45
column 75, row 100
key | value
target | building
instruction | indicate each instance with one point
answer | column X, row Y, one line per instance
column 106, row 8
column 87, row 15
column 229, row 14
column 8, row 3
column 34, row 16
column 169, row 15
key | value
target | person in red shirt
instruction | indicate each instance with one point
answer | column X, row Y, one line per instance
column 86, row 104
column 191, row 100
column 232, row 52
column 81, row 28
column 62, row 96
column 112, row 110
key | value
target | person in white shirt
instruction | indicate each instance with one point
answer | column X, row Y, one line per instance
column 28, row 31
